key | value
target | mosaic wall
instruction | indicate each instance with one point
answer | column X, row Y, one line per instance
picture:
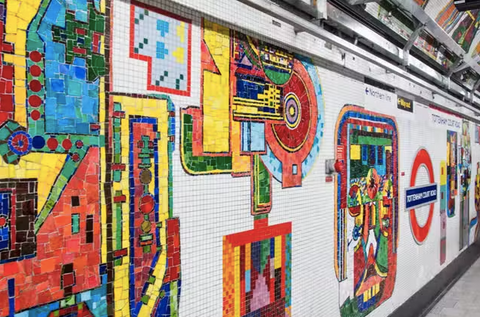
column 86, row 204
column 261, row 116
column 88, row 166
column 86, row 219
column 366, row 231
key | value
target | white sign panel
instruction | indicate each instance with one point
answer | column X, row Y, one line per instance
column 375, row 97
column 445, row 121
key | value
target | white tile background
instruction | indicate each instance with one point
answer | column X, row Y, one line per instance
column 212, row 206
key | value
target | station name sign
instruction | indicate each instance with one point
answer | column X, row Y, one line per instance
column 440, row 120
column 420, row 196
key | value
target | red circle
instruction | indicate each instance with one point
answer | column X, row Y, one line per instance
column 422, row 158
column 52, row 144
column 35, row 85
column 75, row 157
column 79, row 144
column 3, row 221
column 67, row 144
column 292, row 146
column 20, row 142
column 35, row 70
column 147, row 203
column 35, row 56
column 35, row 115
column 34, row 100
column 293, row 139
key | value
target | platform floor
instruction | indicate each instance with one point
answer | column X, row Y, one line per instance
column 463, row 299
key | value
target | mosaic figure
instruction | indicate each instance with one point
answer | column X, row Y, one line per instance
column 366, row 209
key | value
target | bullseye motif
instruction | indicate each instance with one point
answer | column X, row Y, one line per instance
column 292, row 135
column 420, row 233
column 294, row 143
column 20, row 143
column 292, row 110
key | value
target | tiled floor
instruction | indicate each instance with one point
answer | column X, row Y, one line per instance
column 463, row 299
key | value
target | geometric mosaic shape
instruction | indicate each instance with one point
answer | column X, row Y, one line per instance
column 163, row 40
column 257, row 271
column 73, row 65
column 17, row 213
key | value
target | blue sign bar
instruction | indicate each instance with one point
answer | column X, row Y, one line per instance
column 420, row 196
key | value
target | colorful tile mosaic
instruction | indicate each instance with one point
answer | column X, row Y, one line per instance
column 87, row 224
column 74, row 240
column 462, row 26
column 271, row 130
column 163, row 40
column 443, row 211
column 146, row 242
column 474, row 221
column 6, row 72
column 366, row 209
column 452, row 167
column 465, row 180
column 70, row 68
column 257, row 283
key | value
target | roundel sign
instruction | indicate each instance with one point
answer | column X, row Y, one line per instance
column 421, row 195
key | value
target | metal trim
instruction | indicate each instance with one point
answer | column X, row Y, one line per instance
column 409, row 44
column 311, row 9
column 298, row 23
column 433, row 28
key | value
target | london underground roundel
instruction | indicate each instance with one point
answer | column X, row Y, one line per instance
column 421, row 195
